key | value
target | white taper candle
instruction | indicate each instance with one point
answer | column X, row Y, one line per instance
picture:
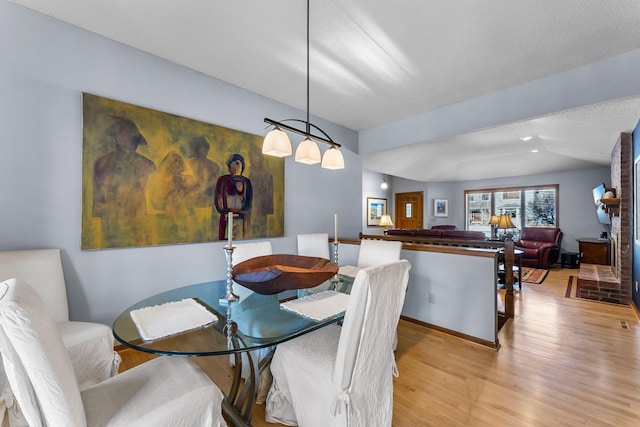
column 335, row 226
column 230, row 228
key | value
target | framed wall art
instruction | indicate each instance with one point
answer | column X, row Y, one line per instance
column 440, row 207
column 375, row 209
column 153, row 178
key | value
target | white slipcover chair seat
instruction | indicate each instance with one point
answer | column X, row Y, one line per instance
column 90, row 345
column 248, row 299
column 342, row 376
column 166, row 391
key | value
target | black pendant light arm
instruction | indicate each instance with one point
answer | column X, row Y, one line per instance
column 326, row 139
column 308, row 121
column 308, row 134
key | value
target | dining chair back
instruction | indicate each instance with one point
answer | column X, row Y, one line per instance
column 42, row 270
column 245, row 251
column 314, row 244
column 378, row 252
column 163, row 392
column 342, row 376
column 89, row 345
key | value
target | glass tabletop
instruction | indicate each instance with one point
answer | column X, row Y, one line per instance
column 257, row 321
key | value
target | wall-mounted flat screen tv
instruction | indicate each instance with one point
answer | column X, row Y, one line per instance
column 598, row 193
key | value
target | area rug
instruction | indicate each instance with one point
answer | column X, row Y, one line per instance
column 534, row 275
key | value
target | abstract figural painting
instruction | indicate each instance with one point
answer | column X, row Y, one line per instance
column 153, row 178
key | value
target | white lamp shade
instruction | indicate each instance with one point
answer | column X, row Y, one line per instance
column 276, row 144
column 333, row 159
column 385, row 221
column 308, row 152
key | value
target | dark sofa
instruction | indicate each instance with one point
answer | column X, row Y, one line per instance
column 438, row 234
column 540, row 246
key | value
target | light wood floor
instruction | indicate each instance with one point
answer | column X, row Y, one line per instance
column 562, row 362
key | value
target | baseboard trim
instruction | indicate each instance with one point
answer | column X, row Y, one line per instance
column 476, row 340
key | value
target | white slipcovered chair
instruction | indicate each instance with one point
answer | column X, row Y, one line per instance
column 378, row 252
column 314, row 244
column 90, row 345
column 373, row 252
column 243, row 252
column 342, row 376
column 166, row 391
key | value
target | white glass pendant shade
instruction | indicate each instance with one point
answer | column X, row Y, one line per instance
column 276, row 144
column 333, row 159
column 308, row 152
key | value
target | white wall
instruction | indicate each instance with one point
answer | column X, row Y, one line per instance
column 605, row 80
column 444, row 285
column 453, row 291
column 46, row 65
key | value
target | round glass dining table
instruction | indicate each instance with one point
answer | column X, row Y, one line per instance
column 257, row 321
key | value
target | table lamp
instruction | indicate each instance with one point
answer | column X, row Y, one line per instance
column 493, row 222
column 505, row 223
column 385, row 221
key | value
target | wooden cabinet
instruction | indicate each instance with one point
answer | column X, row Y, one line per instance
column 594, row 251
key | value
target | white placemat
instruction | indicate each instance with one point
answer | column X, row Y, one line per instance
column 318, row 306
column 160, row 321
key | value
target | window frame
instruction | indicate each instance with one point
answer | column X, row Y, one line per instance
column 522, row 190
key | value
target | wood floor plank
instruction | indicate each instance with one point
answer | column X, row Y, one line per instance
column 562, row 362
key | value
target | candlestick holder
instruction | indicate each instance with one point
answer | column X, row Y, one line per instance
column 337, row 278
column 229, row 296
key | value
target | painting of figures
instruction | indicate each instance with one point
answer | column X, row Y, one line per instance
column 153, row 178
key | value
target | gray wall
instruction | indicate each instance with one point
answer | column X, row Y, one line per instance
column 577, row 210
column 46, row 65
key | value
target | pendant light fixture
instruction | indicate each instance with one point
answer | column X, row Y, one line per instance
column 276, row 142
column 384, row 184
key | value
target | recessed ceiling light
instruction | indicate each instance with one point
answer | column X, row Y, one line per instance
column 526, row 138
column 534, row 150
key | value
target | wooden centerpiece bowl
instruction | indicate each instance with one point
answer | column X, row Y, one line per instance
column 271, row 274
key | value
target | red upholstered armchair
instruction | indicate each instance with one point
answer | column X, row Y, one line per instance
column 540, row 246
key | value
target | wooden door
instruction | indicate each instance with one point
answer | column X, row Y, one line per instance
column 409, row 210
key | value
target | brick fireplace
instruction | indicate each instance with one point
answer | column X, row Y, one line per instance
column 613, row 283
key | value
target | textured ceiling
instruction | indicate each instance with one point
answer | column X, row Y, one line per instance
column 374, row 62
